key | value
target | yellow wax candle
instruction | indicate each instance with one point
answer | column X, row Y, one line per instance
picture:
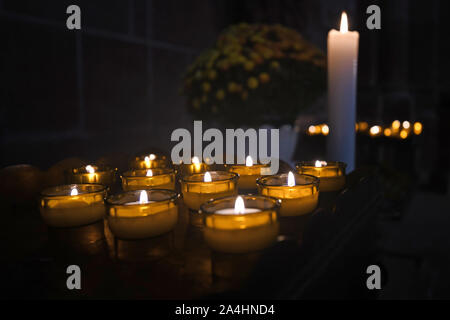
column 150, row 161
column 299, row 194
column 93, row 175
column 187, row 169
column 160, row 178
column 142, row 214
column 72, row 205
column 248, row 173
column 330, row 174
column 240, row 224
column 201, row 187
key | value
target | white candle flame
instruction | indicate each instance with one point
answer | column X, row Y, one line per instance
column 344, row 23
column 207, row 177
column 291, row 179
column 143, row 197
column 74, row 192
column 249, row 161
column 239, row 206
column 375, row 130
column 149, row 173
column 90, row 169
column 195, row 160
column 151, row 157
column 320, row 164
column 312, row 129
column 406, row 124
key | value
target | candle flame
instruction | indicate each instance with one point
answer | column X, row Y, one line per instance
column 320, row 164
column 291, row 179
column 387, row 132
column 143, row 197
column 239, row 206
column 344, row 23
column 195, row 160
column 147, row 161
column 403, row 134
column 325, row 130
column 90, row 169
column 406, row 124
column 151, row 157
column 312, row 129
column 418, row 128
column 396, row 124
column 74, row 192
column 249, row 161
column 207, row 177
column 375, row 130
column 149, row 173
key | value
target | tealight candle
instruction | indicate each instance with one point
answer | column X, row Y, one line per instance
column 330, row 174
column 150, row 161
column 93, row 175
column 299, row 194
column 240, row 224
column 248, row 173
column 199, row 188
column 186, row 169
column 72, row 205
column 142, row 214
column 160, row 178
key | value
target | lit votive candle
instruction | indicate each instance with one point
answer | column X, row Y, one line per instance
column 160, row 178
column 94, row 175
column 240, row 224
column 201, row 187
column 72, row 205
column 196, row 166
column 142, row 214
column 299, row 194
column 330, row 174
column 248, row 173
column 149, row 161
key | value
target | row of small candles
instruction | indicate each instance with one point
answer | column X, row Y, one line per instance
column 397, row 129
column 148, row 207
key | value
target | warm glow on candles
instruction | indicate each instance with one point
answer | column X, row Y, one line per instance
column 344, row 23
column 74, row 192
column 291, row 179
column 149, row 173
column 248, row 161
column 207, row 177
column 239, row 206
column 90, row 169
column 143, row 197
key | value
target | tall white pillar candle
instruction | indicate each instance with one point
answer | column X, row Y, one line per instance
column 342, row 72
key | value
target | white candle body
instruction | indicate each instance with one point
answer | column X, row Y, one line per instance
column 342, row 75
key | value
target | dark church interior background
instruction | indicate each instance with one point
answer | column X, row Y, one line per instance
column 113, row 88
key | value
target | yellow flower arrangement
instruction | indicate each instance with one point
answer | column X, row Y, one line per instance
column 255, row 74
